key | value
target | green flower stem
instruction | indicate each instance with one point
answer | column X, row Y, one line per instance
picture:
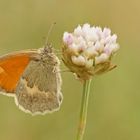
column 84, row 107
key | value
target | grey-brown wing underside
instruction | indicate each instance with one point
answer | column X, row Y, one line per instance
column 39, row 89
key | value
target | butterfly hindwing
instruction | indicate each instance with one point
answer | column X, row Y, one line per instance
column 38, row 90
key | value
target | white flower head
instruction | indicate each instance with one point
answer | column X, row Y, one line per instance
column 88, row 50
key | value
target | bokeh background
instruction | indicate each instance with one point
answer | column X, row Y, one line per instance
column 114, row 106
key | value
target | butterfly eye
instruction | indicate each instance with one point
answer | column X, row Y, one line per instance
column 48, row 49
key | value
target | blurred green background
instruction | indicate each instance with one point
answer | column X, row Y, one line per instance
column 114, row 106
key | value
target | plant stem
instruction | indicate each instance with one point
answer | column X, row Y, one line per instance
column 84, row 107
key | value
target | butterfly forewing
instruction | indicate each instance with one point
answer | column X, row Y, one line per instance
column 11, row 68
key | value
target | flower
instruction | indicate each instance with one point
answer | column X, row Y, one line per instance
column 88, row 50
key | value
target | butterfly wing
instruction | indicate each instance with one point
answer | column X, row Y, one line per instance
column 11, row 68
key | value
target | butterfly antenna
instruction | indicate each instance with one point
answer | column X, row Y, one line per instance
column 49, row 32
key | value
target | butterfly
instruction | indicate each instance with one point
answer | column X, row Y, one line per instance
column 33, row 78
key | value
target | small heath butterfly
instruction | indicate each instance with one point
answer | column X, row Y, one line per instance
column 33, row 78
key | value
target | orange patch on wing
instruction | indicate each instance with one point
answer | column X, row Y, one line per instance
column 11, row 68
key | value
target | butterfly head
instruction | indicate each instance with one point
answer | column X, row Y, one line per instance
column 48, row 55
column 48, row 49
